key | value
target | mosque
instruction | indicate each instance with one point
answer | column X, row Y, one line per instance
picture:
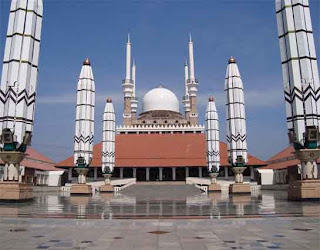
column 160, row 143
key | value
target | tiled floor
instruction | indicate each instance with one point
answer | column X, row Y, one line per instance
column 263, row 233
column 160, row 217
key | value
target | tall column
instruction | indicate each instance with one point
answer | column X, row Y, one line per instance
column 121, row 173
column 134, row 172
column 134, row 100
column 192, row 87
column 187, row 172
column 127, row 86
column 95, row 174
column 200, row 172
column 301, row 83
column 251, row 173
column 236, row 118
column 173, row 174
column 84, row 124
column 186, row 98
column 70, row 174
column 147, row 174
column 108, row 139
column 226, row 173
column 212, row 137
column 160, row 174
column 20, row 70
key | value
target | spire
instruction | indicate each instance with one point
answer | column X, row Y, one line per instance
column 232, row 60
column 128, row 59
column 186, row 77
column 190, row 38
column 191, row 59
column 133, row 77
column 86, row 62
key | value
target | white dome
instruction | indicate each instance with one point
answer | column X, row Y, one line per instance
column 160, row 99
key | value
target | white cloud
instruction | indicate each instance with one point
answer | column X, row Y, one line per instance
column 253, row 98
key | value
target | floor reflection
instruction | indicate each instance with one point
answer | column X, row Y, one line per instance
column 128, row 205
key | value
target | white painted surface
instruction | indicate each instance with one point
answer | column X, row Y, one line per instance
column 160, row 99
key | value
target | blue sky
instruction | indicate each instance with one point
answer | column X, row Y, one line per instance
column 76, row 29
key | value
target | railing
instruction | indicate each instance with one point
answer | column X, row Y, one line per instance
column 121, row 184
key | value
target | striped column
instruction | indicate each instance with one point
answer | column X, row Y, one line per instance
column 20, row 68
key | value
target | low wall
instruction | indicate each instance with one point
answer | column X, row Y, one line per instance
column 275, row 187
column 45, row 189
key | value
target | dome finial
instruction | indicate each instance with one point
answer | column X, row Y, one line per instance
column 211, row 99
column 232, row 60
column 109, row 100
column 87, row 62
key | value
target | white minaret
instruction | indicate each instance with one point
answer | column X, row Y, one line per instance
column 236, row 118
column 127, row 86
column 192, row 87
column 84, row 130
column 134, row 100
column 186, row 99
column 301, row 82
column 299, row 68
column 108, row 138
column 212, row 137
column 20, row 70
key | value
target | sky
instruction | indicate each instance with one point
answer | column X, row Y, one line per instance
column 75, row 29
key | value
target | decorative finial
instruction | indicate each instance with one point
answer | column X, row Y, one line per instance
column 211, row 99
column 109, row 100
column 133, row 62
column 86, row 62
column 190, row 38
column 128, row 39
column 232, row 60
column 185, row 62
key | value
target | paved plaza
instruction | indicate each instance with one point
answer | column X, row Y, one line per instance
column 262, row 233
column 160, row 217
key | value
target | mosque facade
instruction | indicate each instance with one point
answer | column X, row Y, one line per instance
column 160, row 143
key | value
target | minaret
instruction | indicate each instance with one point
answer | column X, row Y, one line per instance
column 127, row 86
column 186, row 99
column 84, row 129
column 301, row 81
column 134, row 100
column 19, row 81
column 212, row 137
column 192, row 87
column 236, row 119
column 108, row 138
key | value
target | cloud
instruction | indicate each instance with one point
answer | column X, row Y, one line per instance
column 71, row 98
column 253, row 98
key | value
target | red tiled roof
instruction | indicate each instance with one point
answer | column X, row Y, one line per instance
column 160, row 150
column 36, row 160
column 284, row 159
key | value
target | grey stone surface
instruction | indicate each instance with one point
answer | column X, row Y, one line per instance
column 236, row 233
column 160, row 217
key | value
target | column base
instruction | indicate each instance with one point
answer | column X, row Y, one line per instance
column 106, row 189
column 14, row 191
column 81, row 189
column 304, row 189
column 214, row 188
column 239, row 188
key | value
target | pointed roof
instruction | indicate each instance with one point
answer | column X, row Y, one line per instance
column 86, row 62
column 36, row 160
column 160, row 150
column 284, row 159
